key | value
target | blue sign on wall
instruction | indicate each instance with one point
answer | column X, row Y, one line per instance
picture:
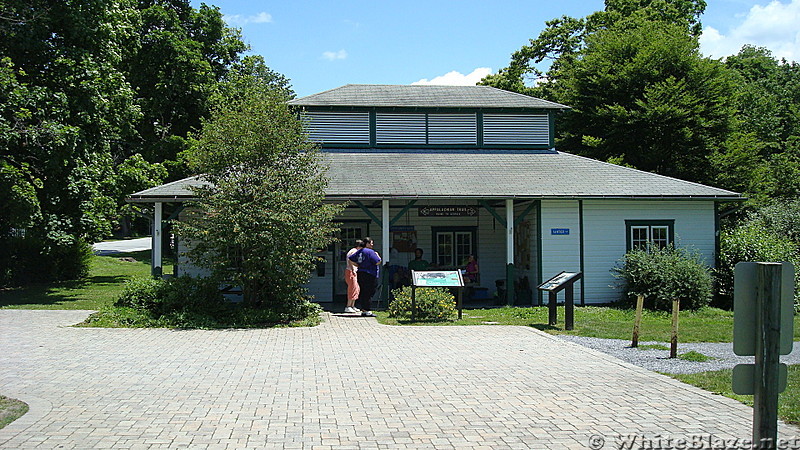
column 559, row 231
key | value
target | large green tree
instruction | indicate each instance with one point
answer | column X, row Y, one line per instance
column 174, row 60
column 261, row 219
column 644, row 95
column 563, row 39
column 63, row 106
column 763, row 158
column 640, row 91
column 97, row 98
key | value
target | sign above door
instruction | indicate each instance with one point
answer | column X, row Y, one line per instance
column 448, row 211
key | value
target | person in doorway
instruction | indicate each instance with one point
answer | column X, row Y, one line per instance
column 471, row 272
column 368, row 262
column 351, row 280
column 418, row 263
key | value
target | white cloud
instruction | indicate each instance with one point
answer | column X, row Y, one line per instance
column 455, row 78
column 333, row 56
column 774, row 26
column 238, row 19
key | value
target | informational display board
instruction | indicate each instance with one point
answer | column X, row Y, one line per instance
column 745, row 312
column 559, row 281
column 437, row 278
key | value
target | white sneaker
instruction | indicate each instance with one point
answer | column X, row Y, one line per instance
column 355, row 309
column 349, row 309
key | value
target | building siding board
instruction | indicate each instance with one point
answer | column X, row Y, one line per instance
column 561, row 252
column 605, row 232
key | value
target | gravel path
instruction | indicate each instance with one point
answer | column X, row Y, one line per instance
column 658, row 360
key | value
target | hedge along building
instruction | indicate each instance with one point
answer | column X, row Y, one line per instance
column 460, row 170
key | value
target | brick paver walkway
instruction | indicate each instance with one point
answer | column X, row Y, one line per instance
column 347, row 383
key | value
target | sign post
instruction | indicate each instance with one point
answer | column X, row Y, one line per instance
column 763, row 327
column 436, row 278
column 563, row 281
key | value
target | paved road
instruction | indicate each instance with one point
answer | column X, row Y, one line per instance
column 124, row 246
column 349, row 383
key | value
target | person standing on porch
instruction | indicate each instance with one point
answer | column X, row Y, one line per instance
column 350, row 278
column 368, row 262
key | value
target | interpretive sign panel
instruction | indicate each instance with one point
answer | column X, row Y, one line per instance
column 437, row 278
column 559, row 281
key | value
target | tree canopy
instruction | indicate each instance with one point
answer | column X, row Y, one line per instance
column 261, row 220
column 643, row 95
column 97, row 100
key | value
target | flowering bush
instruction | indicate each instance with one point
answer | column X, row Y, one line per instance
column 435, row 304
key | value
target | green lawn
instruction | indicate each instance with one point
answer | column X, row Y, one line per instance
column 107, row 276
column 719, row 382
column 705, row 325
column 11, row 410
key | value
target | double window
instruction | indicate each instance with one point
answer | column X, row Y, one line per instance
column 452, row 246
column 644, row 234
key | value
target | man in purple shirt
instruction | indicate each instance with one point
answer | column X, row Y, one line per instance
column 368, row 262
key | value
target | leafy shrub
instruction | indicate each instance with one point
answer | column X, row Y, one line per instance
column 30, row 260
column 188, row 302
column 436, row 304
column 662, row 275
column 751, row 242
column 71, row 261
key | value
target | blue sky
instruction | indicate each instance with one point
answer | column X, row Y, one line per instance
column 321, row 45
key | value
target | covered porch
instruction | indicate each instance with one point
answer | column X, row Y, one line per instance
column 501, row 233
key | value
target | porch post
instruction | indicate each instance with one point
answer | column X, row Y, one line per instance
column 385, row 230
column 509, row 231
column 510, row 251
column 385, row 253
column 156, row 253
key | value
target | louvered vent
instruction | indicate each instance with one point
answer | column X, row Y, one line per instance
column 400, row 128
column 452, row 129
column 337, row 127
column 516, row 129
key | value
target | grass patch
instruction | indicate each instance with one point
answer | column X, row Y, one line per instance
column 694, row 356
column 703, row 325
column 652, row 347
column 107, row 277
column 11, row 410
column 719, row 382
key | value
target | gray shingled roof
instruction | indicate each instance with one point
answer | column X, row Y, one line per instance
column 423, row 96
column 373, row 174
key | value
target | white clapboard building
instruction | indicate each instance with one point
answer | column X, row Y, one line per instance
column 460, row 170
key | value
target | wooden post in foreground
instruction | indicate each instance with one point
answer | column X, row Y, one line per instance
column 673, row 347
column 768, row 331
column 638, row 321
